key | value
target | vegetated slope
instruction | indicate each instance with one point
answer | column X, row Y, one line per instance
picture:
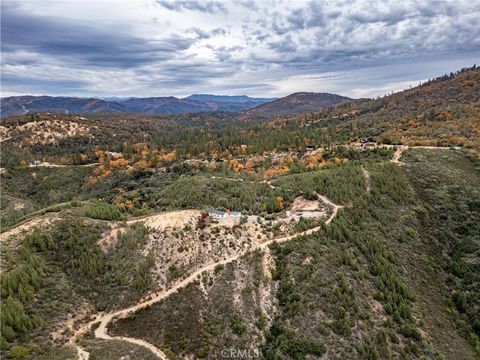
column 441, row 112
column 53, row 275
column 369, row 286
column 297, row 103
column 25, row 190
column 18, row 105
column 448, row 187
column 355, row 287
column 74, row 264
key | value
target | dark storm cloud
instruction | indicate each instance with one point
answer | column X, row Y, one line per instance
column 86, row 45
column 202, row 6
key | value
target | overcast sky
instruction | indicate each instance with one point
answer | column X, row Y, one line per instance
column 257, row 48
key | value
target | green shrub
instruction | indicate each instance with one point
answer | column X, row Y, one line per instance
column 175, row 271
column 105, row 211
column 238, row 327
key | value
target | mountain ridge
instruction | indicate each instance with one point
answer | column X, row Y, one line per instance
column 21, row 105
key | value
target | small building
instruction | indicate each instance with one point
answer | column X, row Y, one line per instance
column 235, row 214
column 217, row 214
column 115, row 155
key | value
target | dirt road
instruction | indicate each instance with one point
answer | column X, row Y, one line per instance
column 50, row 165
column 366, row 174
column 398, row 154
column 399, row 149
column 101, row 332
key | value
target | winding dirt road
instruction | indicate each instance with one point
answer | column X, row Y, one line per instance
column 101, row 332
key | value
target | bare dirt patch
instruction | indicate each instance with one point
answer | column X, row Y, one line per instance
column 65, row 328
column 109, row 238
column 302, row 204
column 45, row 132
column 171, row 219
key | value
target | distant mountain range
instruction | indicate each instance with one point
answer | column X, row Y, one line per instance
column 265, row 107
column 19, row 105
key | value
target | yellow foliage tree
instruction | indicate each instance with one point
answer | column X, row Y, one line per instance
column 119, row 163
column 141, row 164
column 170, row 156
column 279, row 202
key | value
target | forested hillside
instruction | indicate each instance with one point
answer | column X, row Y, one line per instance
column 370, row 286
column 441, row 112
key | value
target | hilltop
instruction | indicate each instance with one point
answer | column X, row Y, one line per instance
column 297, row 103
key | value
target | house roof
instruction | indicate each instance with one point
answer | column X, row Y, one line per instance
column 216, row 212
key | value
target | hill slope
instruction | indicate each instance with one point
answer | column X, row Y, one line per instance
column 298, row 103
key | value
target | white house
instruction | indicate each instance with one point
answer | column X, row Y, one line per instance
column 216, row 214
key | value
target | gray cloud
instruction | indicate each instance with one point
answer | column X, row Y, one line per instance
column 268, row 48
column 284, row 45
column 363, row 34
column 201, row 34
column 202, row 6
